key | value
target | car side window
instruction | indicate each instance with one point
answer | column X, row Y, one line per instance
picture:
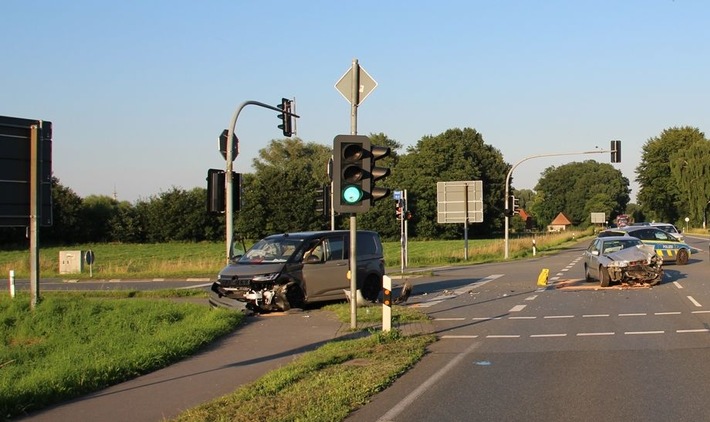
column 661, row 235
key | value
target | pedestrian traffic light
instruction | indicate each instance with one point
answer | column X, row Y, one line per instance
column 398, row 208
column 216, row 191
column 351, row 173
column 285, row 117
column 377, row 173
column 615, row 151
column 323, row 200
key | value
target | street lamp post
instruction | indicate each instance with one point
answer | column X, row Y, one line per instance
column 510, row 173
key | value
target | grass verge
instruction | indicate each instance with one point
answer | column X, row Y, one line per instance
column 328, row 383
column 72, row 344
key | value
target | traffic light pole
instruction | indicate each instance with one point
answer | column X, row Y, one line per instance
column 510, row 173
column 228, row 183
column 355, row 100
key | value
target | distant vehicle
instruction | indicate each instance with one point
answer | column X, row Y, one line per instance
column 621, row 220
column 666, row 245
column 669, row 228
column 623, row 259
column 291, row 270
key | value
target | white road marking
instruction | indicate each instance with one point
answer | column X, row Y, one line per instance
column 678, row 285
column 407, row 401
column 449, row 319
column 700, row 312
column 633, row 333
column 699, row 330
column 517, row 308
column 522, row 317
column 667, row 313
column 611, row 333
column 458, row 292
column 459, row 336
column 627, row 315
column 595, row 316
column 695, row 302
column 558, row 316
column 547, row 335
column 531, row 297
column 503, row 336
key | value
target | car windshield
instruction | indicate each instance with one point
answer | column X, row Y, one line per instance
column 619, row 244
column 278, row 249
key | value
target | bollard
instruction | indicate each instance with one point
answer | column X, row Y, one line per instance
column 11, row 281
column 534, row 248
column 386, row 303
column 542, row 278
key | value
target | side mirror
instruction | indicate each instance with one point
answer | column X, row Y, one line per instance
column 595, row 253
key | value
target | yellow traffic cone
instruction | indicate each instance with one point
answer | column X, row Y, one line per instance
column 542, row 278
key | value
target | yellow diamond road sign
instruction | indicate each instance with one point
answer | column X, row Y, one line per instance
column 345, row 85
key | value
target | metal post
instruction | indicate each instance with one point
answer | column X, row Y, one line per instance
column 35, row 132
column 355, row 100
column 228, row 183
column 465, row 222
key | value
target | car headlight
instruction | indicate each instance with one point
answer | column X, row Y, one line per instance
column 265, row 277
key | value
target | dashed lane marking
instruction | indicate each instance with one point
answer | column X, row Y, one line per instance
column 695, row 302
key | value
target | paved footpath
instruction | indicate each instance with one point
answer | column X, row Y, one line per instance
column 261, row 344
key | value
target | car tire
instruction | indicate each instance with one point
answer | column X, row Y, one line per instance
column 295, row 297
column 587, row 276
column 604, row 279
column 682, row 257
column 371, row 288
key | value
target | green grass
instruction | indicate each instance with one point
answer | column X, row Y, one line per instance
column 71, row 344
column 324, row 385
column 206, row 259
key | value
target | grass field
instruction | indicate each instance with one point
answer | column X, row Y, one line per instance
column 181, row 260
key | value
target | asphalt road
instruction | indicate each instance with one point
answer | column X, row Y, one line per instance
column 569, row 351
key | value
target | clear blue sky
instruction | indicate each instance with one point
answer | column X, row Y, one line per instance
column 138, row 91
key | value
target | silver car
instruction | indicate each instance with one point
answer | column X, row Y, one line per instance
column 623, row 259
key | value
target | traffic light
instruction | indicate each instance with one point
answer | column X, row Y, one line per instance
column 378, row 173
column 508, row 212
column 351, row 173
column 323, row 200
column 216, row 191
column 615, row 151
column 515, row 205
column 285, row 117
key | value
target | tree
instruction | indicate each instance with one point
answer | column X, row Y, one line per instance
column 455, row 155
column 66, row 215
column 281, row 194
column 578, row 189
column 661, row 195
column 178, row 215
column 690, row 173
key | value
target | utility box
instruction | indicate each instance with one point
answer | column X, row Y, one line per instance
column 71, row 262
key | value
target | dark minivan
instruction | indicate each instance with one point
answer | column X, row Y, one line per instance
column 290, row 270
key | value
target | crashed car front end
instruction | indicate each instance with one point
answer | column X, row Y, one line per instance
column 258, row 293
column 638, row 265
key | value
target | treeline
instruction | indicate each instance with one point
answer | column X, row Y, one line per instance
column 280, row 195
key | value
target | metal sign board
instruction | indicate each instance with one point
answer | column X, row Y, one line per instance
column 598, row 218
column 459, row 202
column 345, row 85
column 15, row 165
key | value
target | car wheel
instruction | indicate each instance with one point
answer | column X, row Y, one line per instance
column 371, row 288
column 604, row 279
column 587, row 276
column 295, row 297
column 682, row 257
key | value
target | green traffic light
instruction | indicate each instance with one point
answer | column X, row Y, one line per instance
column 352, row 194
